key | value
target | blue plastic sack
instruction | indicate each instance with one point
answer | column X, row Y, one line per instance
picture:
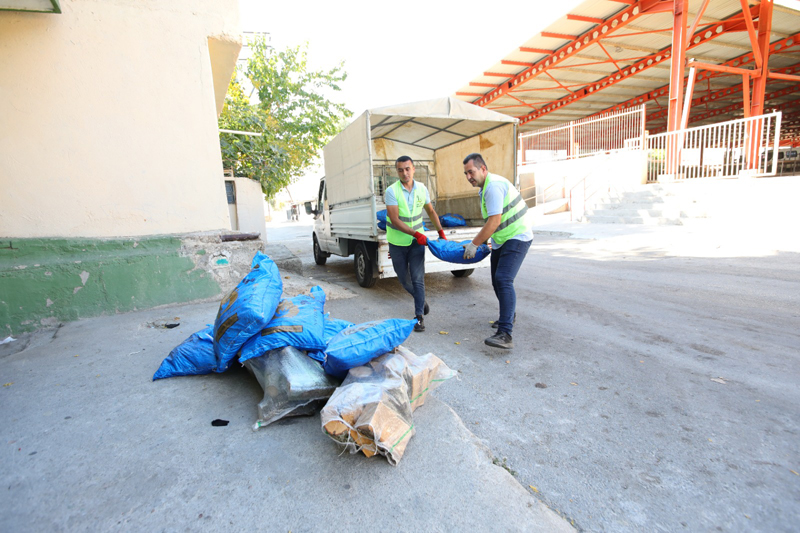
column 357, row 345
column 453, row 252
column 298, row 322
column 247, row 309
column 452, row 220
column 332, row 327
column 382, row 217
column 192, row 357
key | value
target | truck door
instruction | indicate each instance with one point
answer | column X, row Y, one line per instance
column 323, row 224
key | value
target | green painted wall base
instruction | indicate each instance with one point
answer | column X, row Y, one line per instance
column 47, row 281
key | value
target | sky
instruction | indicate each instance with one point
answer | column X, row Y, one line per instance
column 398, row 52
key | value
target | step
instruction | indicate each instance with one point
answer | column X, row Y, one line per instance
column 647, row 221
column 640, row 213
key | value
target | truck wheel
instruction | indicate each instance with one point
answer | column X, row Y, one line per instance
column 364, row 269
column 319, row 256
column 463, row 273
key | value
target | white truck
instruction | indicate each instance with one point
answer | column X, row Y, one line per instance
column 360, row 165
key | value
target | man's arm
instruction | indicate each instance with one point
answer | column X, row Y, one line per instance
column 435, row 219
column 487, row 230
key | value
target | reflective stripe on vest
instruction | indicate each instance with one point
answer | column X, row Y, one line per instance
column 412, row 217
column 512, row 220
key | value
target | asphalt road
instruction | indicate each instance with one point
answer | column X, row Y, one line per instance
column 649, row 389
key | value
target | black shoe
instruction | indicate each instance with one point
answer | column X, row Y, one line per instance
column 426, row 310
column 501, row 339
column 495, row 323
column 420, row 325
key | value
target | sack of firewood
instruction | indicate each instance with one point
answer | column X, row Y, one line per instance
column 371, row 411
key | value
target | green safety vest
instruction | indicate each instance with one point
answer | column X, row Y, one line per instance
column 412, row 217
column 512, row 220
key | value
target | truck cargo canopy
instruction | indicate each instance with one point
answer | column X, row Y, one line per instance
column 417, row 129
column 433, row 124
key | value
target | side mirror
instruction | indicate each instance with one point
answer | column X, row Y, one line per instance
column 309, row 209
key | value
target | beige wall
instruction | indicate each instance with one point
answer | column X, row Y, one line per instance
column 108, row 118
column 250, row 207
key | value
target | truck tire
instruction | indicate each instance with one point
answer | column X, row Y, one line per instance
column 320, row 257
column 363, row 263
column 463, row 273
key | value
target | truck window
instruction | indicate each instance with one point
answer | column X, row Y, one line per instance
column 385, row 174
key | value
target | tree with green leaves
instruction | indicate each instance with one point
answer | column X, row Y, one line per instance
column 293, row 112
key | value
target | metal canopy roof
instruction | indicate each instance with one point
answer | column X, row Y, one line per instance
column 608, row 55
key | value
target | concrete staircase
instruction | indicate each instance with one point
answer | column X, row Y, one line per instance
column 647, row 204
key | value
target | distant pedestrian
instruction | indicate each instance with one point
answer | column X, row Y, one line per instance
column 503, row 211
column 405, row 199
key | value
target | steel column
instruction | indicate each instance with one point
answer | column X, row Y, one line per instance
column 677, row 63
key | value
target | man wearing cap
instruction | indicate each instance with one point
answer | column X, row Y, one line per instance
column 503, row 211
column 405, row 199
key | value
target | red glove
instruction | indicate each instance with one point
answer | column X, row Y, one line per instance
column 422, row 240
column 441, row 234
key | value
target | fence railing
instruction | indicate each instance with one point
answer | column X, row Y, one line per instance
column 728, row 149
column 585, row 137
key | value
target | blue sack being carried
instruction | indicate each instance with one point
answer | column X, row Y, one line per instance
column 452, row 220
column 247, row 309
column 357, row 345
column 453, row 252
column 298, row 322
column 192, row 357
column 332, row 327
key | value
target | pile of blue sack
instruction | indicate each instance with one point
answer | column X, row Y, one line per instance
column 381, row 215
column 254, row 322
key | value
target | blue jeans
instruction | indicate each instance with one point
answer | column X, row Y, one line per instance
column 409, row 265
column 505, row 263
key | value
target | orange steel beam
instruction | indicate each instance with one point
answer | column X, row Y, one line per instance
column 735, row 107
column 724, row 68
column 779, row 76
column 760, row 82
column 703, row 36
column 751, row 32
column 792, row 40
column 460, row 93
column 564, row 36
column 725, row 93
column 518, row 63
column 610, row 25
column 698, row 17
column 536, row 50
column 581, row 18
column 497, row 74
column 479, row 84
column 680, row 12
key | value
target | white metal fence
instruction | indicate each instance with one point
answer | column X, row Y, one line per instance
column 585, row 137
column 728, row 149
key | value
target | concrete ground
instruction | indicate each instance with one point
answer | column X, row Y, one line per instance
column 653, row 387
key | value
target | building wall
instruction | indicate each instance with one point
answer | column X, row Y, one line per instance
column 108, row 118
column 250, row 207
column 110, row 161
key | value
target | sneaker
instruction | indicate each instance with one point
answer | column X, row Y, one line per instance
column 496, row 322
column 427, row 309
column 501, row 339
column 420, row 325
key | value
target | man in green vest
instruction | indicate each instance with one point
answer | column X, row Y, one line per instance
column 503, row 211
column 405, row 199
